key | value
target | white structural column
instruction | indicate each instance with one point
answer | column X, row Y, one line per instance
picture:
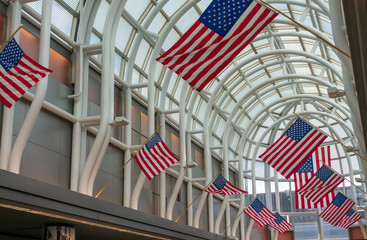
column 181, row 175
column 14, row 18
column 107, row 87
column 151, row 99
column 81, row 66
column 25, row 131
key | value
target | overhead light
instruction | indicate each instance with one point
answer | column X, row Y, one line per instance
column 334, row 92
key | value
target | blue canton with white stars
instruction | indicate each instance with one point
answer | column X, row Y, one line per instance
column 220, row 182
column 298, row 130
column 11, row 55
column 257, row 205
column 324, row 173
column 153, row 141
column 221, row 15
column 279, row 218
column 306, row 167
column 339, row 200
column 350, row 213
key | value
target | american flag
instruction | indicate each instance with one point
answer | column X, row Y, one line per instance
column 304, row 174
column 259, row 213
column 223, row 186
column 293, row 148
column 221, row 33
column 155, row 157
column 18, row 73
column 321, row 184
column 280, row 224
column 349, row 219
column 335, row 212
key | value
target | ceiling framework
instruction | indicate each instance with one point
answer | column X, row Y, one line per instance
column 285, row 69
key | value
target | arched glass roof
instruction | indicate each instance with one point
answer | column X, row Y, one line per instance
column 285, row 69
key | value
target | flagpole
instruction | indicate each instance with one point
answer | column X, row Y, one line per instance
column 305, row 28
column 125, row 164
column 352, row 201
column 344, row 178
column 233, row 221
column 7, row 41
column 338, row 142
column 350, row 149
column 197, row 196
column 243, row 210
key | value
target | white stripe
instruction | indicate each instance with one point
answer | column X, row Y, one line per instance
column 146, row 162
column 200, row 67
column 210, row 50
column 190, row 50
column 228, row 45
column 305, row 145
column 183, row 45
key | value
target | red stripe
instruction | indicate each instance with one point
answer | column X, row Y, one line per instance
column 12, row 83
column 220, row 46
column 141, row 161
column 229, row 57
column 194, row 40
column 180, row 41
column 32, row 70
column 9, row 92
column 195, row 57
column 5, row 102
column 36, row 64
column 21, row 79
column 295, row 159
column 157, row 159
column 21, row 72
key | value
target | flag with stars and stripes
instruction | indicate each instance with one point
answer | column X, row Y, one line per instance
column 280, row 224
column 306, row 171
column 293, row 148
column 324, row 181
column 259, row 213
column 224, row 29
column 223, row 186
column 155, row 157
column 349, row 219
column 335, row 212
column 18, row 73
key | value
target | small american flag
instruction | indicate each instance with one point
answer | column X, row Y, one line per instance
column 280, row 224
column 18, row 73
column 259, row 213
column 221, row 33
column 335, row 212
column 304, row 174
column 222, row 186
column 293, row 148
column 321, row 184
column 155, row 157
column 349, row 219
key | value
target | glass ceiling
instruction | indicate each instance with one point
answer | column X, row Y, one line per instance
column 285, row 69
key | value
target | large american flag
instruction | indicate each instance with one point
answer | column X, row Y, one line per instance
column 18, row 73
column 155, row 157
column 324, row 181
column 293, row 148
column 280, row 224
column 223, row 186
column 259, row 213
column 335, row 212
column 349, row 219
column 224, row 29
column 306, row 171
